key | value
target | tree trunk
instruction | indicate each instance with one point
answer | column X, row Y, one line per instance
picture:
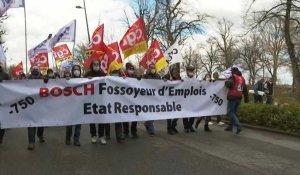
column 291, row 48
column 274, row 80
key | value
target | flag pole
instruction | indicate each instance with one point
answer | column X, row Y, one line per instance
column 26, row 56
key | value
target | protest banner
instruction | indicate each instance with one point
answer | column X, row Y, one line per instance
column 32, row 103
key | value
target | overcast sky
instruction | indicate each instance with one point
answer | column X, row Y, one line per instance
column 48, row 16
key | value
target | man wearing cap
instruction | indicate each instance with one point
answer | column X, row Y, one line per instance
column 3, row 76
column 236, row 89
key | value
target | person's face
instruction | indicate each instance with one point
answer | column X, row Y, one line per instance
column 216, row 76
column 96, row 65
column 35, row 68
column 207, row 77
column 190, row 73
column 130, row 70
column 152, row 69
column 175, row 72
column 51, row 73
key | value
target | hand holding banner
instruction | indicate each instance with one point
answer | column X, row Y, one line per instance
column 32, row 103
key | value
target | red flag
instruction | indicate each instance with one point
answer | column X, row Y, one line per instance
column 103, row 54
column 95, row 55
column 114, row 47
column 18, row 70
column 40, row 60
column 97, row 38
column 61, row 53
column 134, row 41
column 108, row 60
column 155, row 56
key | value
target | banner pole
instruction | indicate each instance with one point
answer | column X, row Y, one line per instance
column 26, row 56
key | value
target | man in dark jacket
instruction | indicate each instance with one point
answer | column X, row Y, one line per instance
column 269, row 91
column 130, row 72
column 35, row 74
column 236, row 85
column 172, row 123
column 259, row 86
column 95, row 71
column 75, row 73
column 151, row 74
column 3, row 76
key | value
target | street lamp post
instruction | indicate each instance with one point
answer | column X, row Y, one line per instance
column 86, row 20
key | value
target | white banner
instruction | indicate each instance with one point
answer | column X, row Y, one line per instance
column 173, row 54
column 28, row 103
column 65, row 34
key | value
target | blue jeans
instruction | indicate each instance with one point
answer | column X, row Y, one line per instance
column 150, row 127
column 232, row 110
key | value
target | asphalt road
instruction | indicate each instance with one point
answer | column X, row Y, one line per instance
column 219, row 152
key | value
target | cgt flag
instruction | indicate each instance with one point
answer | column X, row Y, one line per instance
column 155, row 56
column 40, row 60
column 134, row 41
column 18, row 70
column 117, row 62
column 61, row 53
column 65, row 34
column 173, row 54
column 97, row 38
column 103, row 54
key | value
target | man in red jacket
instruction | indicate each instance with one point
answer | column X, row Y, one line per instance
column 236, row 85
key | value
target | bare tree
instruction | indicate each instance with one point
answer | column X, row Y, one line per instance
column 288, row 12
column 80, row 54
column 250, row 54
column 274, row 45
column 193, row 58
column 211, row 60
column 177, row 22
column 149, row 11
column 226, row 43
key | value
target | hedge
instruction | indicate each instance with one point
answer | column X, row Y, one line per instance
column 282, row 118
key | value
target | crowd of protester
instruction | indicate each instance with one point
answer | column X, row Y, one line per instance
column 101, row 132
